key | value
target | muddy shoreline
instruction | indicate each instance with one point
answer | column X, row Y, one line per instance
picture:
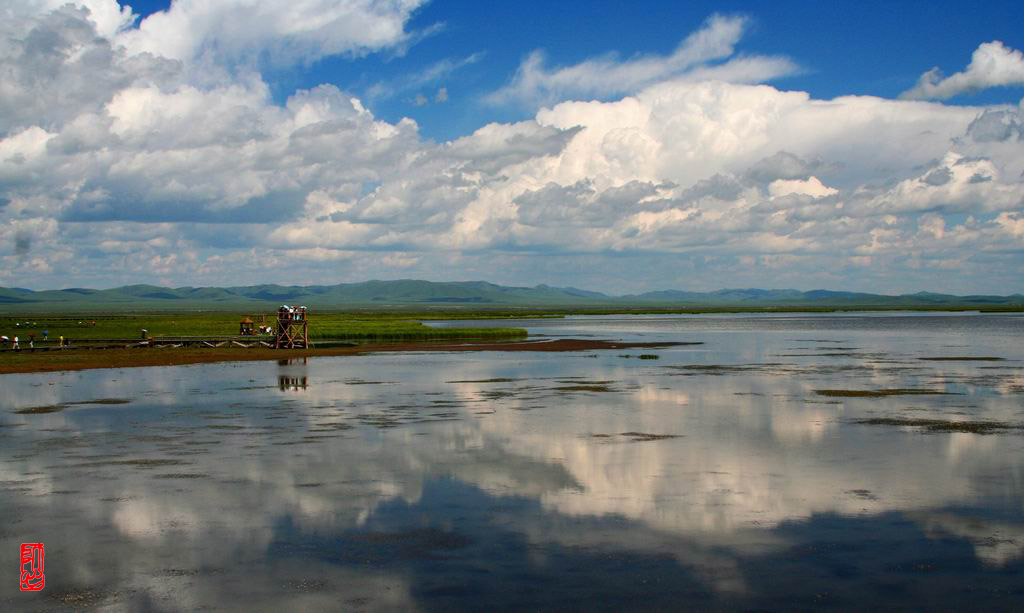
column 84, row 359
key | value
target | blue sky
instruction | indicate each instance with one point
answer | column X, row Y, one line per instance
column 869, row 146
column 873, row 48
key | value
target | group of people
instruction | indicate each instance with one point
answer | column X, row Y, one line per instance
column 15, row 342
column 290, row 312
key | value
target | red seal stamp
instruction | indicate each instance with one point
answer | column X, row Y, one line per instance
column 32, row 577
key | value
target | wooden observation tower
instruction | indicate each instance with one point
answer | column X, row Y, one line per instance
column 292, row 328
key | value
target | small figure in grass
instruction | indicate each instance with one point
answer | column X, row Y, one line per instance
column 61, row 342
column 31, row 340
column 16, row 343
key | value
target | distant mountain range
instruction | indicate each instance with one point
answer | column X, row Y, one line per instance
column 468, row 293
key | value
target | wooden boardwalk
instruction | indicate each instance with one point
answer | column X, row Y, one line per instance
column 156, row 342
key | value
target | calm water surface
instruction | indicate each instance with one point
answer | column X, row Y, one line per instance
column 715, row 476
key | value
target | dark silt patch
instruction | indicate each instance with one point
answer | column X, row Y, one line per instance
column 880, row 393
column 497, row 394
column 416, row 542
column 52, row 408
column 55, row 408
column 305, row 585
column 827, row 352
column 862, row 494
column 82, row 597
column 646, row 436
column 942, row 425
column 634, row 437
column 362, row 382
column 715, row 369
column 583, row 381
column 177, row 572
column 494, row 380
column 584, row 388
column 142, row 463
column 815, row 340
column 731, row 369
column 963, row 358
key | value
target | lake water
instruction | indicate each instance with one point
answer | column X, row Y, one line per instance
column 736, row 474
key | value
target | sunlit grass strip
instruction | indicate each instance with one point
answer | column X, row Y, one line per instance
column 327, row 326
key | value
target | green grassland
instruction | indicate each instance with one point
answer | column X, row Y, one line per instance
column 322, row 327
column 353, row 324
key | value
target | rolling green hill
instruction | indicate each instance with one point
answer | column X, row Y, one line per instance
column 414, row 293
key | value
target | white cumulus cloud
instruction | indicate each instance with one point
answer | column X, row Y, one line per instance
column 536, row 83
column 228, row 32
column 812, row 187
column 117, row 166
column 992, row 64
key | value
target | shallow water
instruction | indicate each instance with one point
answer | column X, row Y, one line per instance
column 716, row 476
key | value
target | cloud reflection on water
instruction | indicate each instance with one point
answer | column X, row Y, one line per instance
column 250, row 466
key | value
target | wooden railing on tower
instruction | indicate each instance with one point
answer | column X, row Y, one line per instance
column 292, row 328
